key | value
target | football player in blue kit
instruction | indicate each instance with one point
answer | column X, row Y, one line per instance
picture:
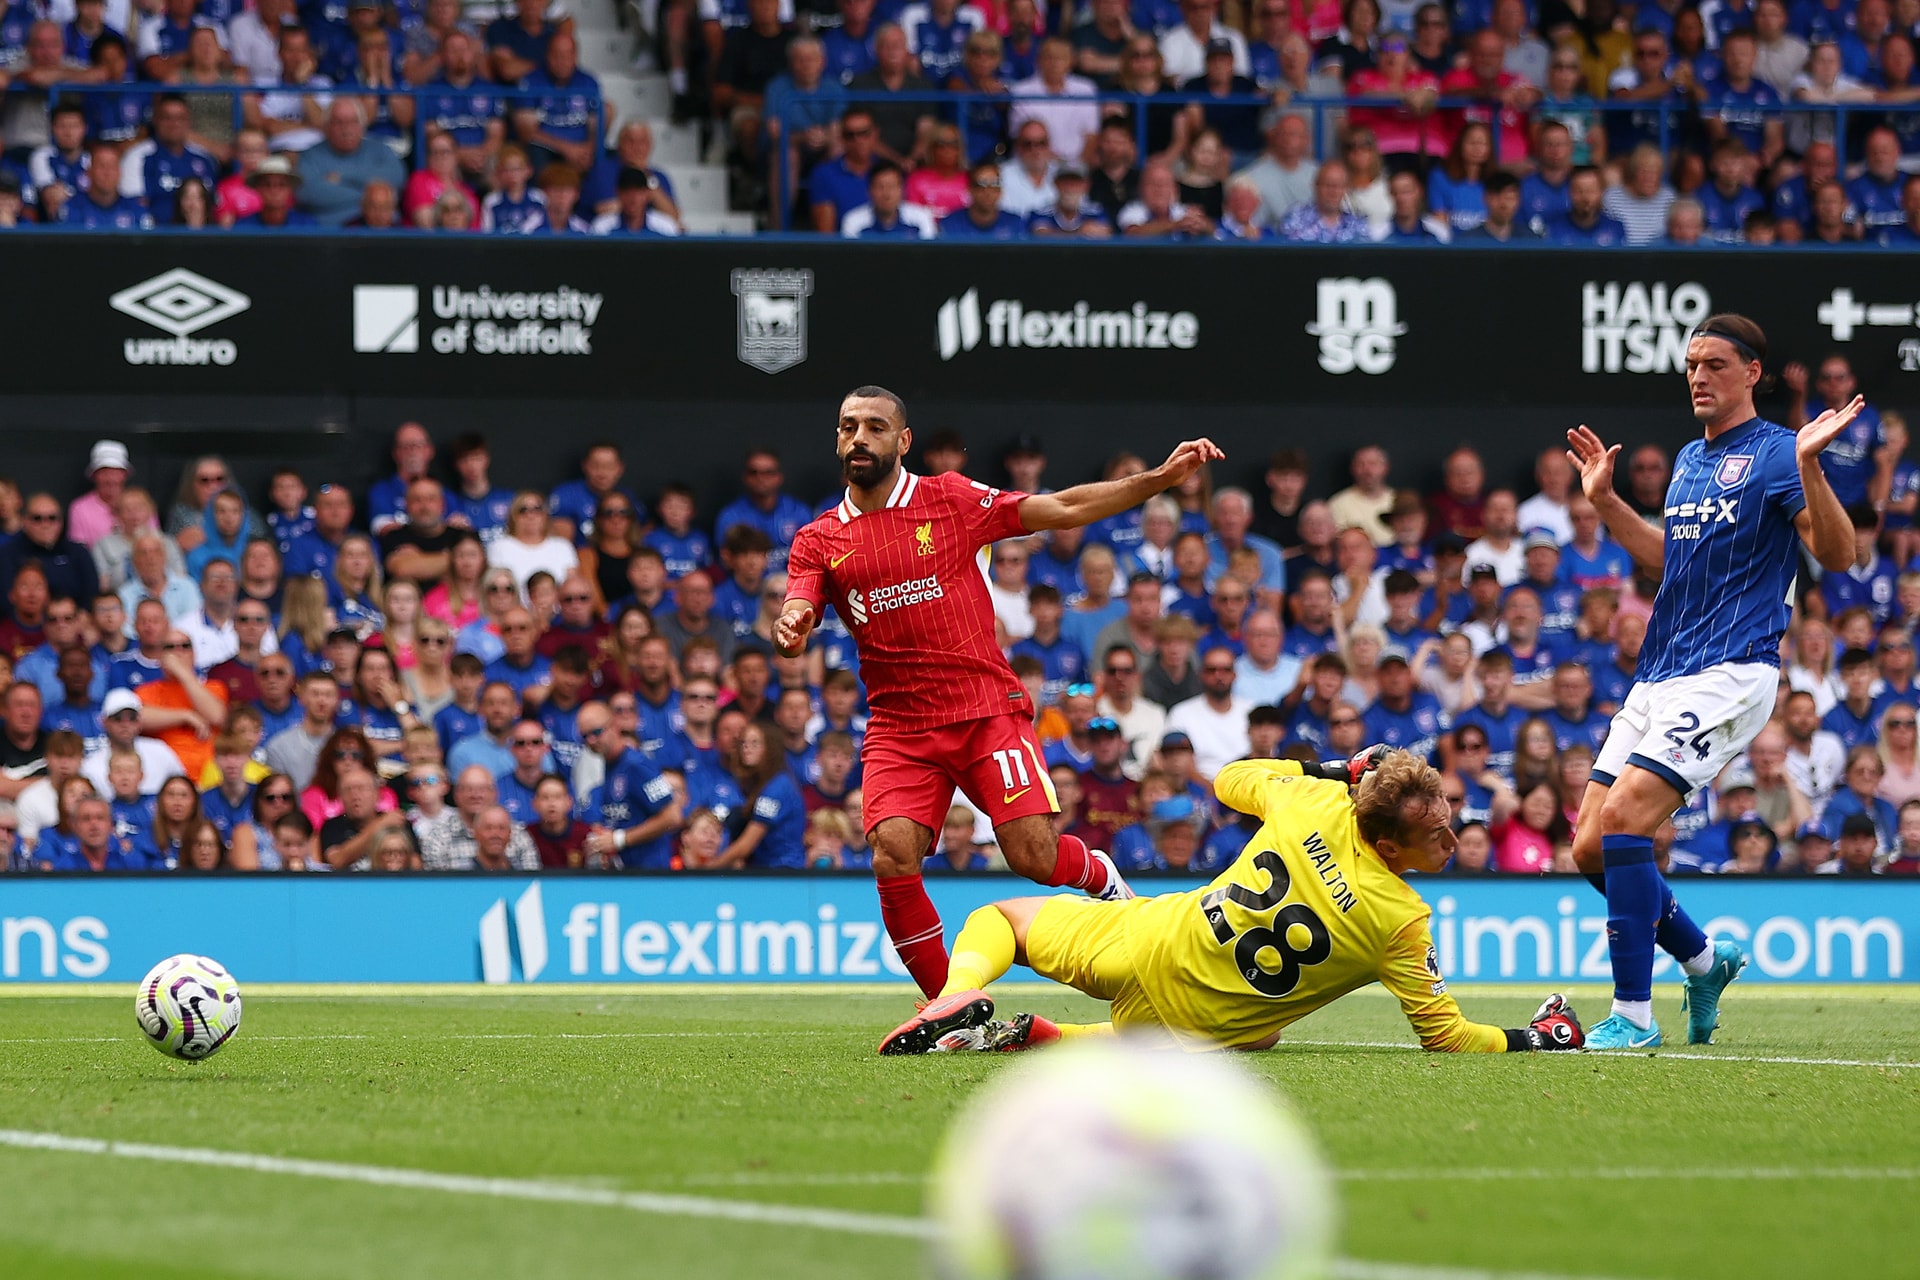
column 1743, row 496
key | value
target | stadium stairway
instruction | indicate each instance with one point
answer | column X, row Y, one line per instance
column 636, row 92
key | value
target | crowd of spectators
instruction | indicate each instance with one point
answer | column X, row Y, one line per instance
column 127, row 114
column 1485, row 122
column 447, row 674
column 1407, row 121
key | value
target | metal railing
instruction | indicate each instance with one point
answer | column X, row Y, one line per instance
column 239, row 93
column 1675, row 117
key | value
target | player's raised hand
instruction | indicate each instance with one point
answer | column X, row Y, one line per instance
column 1189, row 457
column 790, row 631
column 1826, row 428
column 1593, row 460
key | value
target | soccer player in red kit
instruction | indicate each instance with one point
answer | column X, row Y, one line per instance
column 898, row 559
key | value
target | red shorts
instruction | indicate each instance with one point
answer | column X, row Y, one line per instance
column 996, row 761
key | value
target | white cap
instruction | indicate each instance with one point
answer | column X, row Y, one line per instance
column 108, row 453
column 119, row 700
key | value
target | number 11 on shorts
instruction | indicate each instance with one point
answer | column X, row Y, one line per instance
column 1013, row 769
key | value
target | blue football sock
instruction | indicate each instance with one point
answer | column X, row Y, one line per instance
column 1677, row 934
column 1633, row 909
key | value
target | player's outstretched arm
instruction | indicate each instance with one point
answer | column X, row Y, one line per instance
column 1085, row 503
column 792, row 627
column 1823, row 523
column 1411, row 971
column 1594, row 461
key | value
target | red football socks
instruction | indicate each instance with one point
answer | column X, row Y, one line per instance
column 914, row 925
column 1075, row 868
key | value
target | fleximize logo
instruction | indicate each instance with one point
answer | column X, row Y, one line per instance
column 497, row 936
column 1011, row 323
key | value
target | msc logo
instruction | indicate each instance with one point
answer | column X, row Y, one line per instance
column 923, row 539
column 773, row 317
column 498, row 934
column 180, row 302
column 386, row 318
column 1357, row 322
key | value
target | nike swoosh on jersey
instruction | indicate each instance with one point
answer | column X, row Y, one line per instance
column 1011, row 796
column 837, row 561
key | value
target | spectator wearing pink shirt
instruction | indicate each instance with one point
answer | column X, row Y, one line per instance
column 1524, row 843
column 1401, row 98
column 90, row 517
column 235, row 197
column 941, row 183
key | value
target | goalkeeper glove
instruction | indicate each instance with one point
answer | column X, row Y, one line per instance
column 1555, row 1026
column 1351, row 770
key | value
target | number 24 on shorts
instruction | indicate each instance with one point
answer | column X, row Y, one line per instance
column 1247, row 949
column 1678, row 736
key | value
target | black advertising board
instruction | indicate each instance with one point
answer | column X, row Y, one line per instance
column 787, row 319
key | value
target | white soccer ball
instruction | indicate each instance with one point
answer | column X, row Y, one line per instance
column 1100, row 1160
column 188, row 1007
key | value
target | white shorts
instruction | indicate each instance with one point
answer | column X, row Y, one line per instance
column 1688, row 728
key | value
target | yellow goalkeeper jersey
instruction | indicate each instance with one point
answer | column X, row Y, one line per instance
column 1307, row 913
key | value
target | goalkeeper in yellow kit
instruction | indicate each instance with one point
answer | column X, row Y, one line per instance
column 1313, row 908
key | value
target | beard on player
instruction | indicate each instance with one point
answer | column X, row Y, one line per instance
column 866, row 468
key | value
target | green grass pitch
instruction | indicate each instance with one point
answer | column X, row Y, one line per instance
column 1792, row 1148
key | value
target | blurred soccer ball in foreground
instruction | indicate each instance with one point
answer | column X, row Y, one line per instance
column 1102, row 1161
column 188, row 1007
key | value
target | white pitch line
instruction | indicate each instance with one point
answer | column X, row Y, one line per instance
column 1490, row 1174
column 1648, row 1053
column 504, row 1035
column 682, row 1206
column 873, row 1224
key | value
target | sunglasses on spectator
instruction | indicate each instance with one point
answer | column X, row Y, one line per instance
column 1080, row 689
column 528, row 508
column 529, row 742
column 433, row 642
column 699, row 697
column 349, row 753
column 1900, row 724
column 1473, row 746
column 426, row 780
column 124, row 715
column 277, row 797
column 279, row 673
column 858, row 133
column 502, row 587
column 181, row 647
column 44, row 517
column 250, row 617
column 1127, row 670
column 576, row 597
column 1214, row 669
column 214, row 477
column 615, row 513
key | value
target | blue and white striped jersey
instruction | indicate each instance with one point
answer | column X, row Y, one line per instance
column 1731, row 553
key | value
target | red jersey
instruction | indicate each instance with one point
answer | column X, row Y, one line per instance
column 906, row 580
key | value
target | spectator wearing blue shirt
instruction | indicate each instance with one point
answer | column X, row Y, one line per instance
column 849, row 46
column 474, row 500
column 838, row 186
column 517, row 46
column 1544, row 192
column 737, row 598
column 1726, row 202
column 573, row 503
column 152, row 170
column 1869, row 582
column 983, row 218
column 1854, row 719
column 101, row 207
column 937, row 32
column 1534, row 659
column 1454, row 189
column 1408, row 224
column 1857, row 464
column 1736, row 105
column 115, row 117
column 1494, row 714
column 1857, row 795
column 682, row 546
column 1559, row 599
column 1876, row 192
column 801, row 106
column 632, row 149
column 633, row 811
column 93, row 846
column 1584, row 224
column 1906, row 235
column 765, row 507
column 1232, row 512
column 74, row 704
column 513, row 207
column 1062, row 664
column 1312, row 632
column 520, row 667
column 885, row 215
column 1572, row 717
column 460, row 104
column 1157, row 213
column 1404, row 716
column 770, row 829
column 559, row 115
column 276, row 180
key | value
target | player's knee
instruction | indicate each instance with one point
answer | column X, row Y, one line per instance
column 1621, row 815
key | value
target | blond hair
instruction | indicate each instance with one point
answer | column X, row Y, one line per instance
column 1381, row 801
